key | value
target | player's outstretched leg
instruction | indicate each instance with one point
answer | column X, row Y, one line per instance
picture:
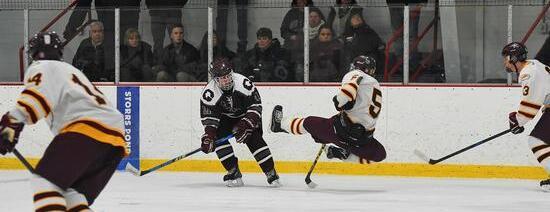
column 280, row 123
column 233, row 178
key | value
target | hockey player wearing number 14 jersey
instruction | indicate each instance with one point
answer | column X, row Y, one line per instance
column 88, row 138
column 358, row 101
column 534, row 78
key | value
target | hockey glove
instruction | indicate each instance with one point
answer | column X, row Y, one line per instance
column 243, row 129
column 514, row 125
column 348, row 106
column 208, row 139
column 9, row 133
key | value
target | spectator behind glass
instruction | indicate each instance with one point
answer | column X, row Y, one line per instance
column 90, row 56
column 339, row 17
column 362, row 40
column 292, row 31
column 316, row 20
column 292, row 28
column 325, row 56
column 267, row 61
column 105, row 9
column 164, row 13
column 178, row 59
column 137, row 58
column 219, row 51
column 242, row 25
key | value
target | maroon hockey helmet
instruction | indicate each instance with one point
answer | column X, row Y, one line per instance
column 221, row 70
column 516, row 51
column 366, row 64
column 46, row 46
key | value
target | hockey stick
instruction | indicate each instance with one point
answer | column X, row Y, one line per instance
column 435, row 161
column 310, row 183
column 23, row 160
column 136, row 172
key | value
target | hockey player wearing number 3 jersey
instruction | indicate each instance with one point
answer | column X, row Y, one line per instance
column 230, row 103
column 358, row 101
column 88, row 138
column 534, row 78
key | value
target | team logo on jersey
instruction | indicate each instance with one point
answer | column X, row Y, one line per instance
column 228, row 104
column 524, row 77
column 247, row 84
column 208, row 95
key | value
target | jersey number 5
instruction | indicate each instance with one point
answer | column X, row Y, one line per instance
column 99, row 99
column 374, row 109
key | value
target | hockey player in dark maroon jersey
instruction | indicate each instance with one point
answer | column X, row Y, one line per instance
column 230, row 103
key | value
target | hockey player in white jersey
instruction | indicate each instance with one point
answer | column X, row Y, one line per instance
column 88, row 138
column 534, row 78
column 358, row 101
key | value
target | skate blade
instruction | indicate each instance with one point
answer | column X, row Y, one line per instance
column 234, row 183
column 275, row 184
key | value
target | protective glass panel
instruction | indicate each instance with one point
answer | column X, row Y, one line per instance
column 11, row 45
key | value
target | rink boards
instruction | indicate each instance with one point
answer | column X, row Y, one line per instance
column 436, row 120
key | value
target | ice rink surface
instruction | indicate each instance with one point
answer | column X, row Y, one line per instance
column 185, row 191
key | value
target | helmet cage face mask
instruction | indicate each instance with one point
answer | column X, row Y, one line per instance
column 225, row 82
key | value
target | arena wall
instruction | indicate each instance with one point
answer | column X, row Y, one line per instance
column 436, row 120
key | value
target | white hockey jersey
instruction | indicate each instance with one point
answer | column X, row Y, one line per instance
column 69, row 102
column 367, row 96
column 535, row 85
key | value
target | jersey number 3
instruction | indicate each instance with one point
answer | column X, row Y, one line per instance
column 374, row 109
column 100, row 100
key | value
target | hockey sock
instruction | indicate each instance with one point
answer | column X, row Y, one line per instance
column 47, row 196
column 227, row 156
column 541, row 151
column 294, row 126
column 76, row 202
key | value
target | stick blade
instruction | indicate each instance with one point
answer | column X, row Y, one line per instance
column 132, row 169
column 310, row 183
column 421, row 155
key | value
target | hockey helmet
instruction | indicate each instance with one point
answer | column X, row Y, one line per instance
column 221, row 70
column 366, row 64
column 46, row 46
column 516, row 51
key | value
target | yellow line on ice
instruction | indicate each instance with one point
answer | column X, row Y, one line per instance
column 339, row 168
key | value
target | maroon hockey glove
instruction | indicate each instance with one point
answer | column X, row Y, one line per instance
column 514, row 125
column 207, row 140
column 243, row 129
column 9, row 133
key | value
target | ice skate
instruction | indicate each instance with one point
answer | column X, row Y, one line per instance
column 337, row 152
column 233, row 178
column 273, row 178
column 276, row 117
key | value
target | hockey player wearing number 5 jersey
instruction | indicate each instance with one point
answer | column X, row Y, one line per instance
column 359, row 101
column 534, row 78
column 88, row 138
column 230, row 103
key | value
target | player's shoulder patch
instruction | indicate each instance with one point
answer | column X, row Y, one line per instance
column 211, row 93
column 524, row 76
column 243, row 84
